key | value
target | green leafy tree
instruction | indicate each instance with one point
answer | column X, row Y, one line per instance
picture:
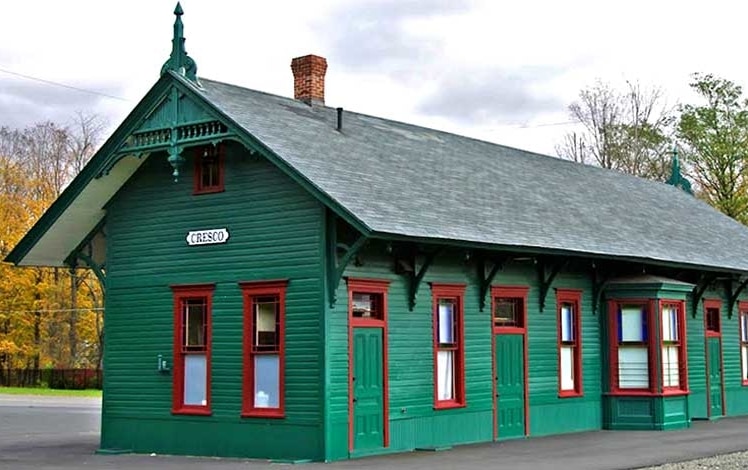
column 714, row 136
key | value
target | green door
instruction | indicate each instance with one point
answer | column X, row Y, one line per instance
column 510, row 385
column 368, row 390
column 714, row 369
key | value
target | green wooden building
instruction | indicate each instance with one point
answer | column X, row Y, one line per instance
column 291, row 281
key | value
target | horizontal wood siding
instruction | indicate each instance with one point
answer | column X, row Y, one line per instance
column 275, row 233
column 414, row 423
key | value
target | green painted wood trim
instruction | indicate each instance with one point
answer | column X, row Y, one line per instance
column 335, row 268
column 252, row 143
column 487, row 279
column 545, row 282
column 416, row 278
column 79, row 249
column 698, row 292
column 90, row 171
column 532, row 250
column 734, row 295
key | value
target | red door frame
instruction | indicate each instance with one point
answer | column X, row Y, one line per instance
column 513, row 292
column 368, row 286
column 713, row 303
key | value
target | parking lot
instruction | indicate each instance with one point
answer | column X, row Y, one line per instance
column 63, row 433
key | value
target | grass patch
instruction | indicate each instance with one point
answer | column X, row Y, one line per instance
column 49, row 392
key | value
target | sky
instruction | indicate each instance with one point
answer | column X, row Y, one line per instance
column 497, row 70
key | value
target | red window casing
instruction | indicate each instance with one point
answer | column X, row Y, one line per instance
column 449, row 340
column 743, row 337
column 186, row 297
column 615, row 342
column 265, row 293
column 209, row 169
column 570, row 338
column 679, row 342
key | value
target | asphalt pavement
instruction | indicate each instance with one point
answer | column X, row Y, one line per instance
column 62, row 433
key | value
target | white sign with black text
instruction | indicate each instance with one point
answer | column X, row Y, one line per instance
column 211, row 236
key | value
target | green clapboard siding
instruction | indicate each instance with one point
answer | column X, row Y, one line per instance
column 275, row 233
column 413, row 421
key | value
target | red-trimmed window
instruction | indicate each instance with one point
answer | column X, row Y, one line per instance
column 711, row 317
column 568, row 306
column 449, row 345
column 673, row 341
column 209, row 169
column 509, row 307
column 743, row 306
column 630, row 351
column 192, row 332
column 264, row 312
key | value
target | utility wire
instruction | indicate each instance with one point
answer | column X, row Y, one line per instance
column 62, row 85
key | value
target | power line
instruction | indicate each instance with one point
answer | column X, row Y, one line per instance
column 62, row 85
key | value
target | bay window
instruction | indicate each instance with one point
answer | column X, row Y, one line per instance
column 631, row 353
column 449, row 348
column 263, row 381
column 191, row 380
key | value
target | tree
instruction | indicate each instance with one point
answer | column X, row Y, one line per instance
column 626, row 131
column 715, row 141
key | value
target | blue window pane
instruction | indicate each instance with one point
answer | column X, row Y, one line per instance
column 195, row 380
column 446, row 323
column 267, row 375
column 567, row 323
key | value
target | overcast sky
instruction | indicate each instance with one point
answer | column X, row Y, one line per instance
column 499, row 70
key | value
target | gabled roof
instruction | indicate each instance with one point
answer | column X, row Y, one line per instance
column 403, row 181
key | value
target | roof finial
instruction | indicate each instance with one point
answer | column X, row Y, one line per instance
column 179, row 61
column 676, row 178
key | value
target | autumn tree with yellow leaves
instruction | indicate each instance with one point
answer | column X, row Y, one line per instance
column 49, row 317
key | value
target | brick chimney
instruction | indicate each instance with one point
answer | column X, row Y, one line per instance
column 309, row 79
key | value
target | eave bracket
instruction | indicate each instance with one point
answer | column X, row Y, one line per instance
column 486, row 279
column 335, row 267
column 546, row 280
column 734, row 295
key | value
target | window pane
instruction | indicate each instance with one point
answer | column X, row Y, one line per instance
column 632, row 324
column 445, row 375
column 567, row 368
column 670, row 369
column 267, row 375
column 712, row 319
column 744, row 358
column 194, row 323
column 266, row 317
column 633, row 367
column 669, row 323
column 567, row 323
column 366, row 306
column 744, row 327
column 507, row 312
column 446, row 322
column 195, row 379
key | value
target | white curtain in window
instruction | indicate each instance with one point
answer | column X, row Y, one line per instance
column 446, row 323
column 567, row 368
column 445, row 365
column 669, row 324
column 670, row 375
column 744, row 358
column 567, row 323
column 632, row 327
column 195, row 379
column 633, row 367
column 267, row 374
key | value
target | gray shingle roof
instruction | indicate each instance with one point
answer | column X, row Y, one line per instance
column 407, row 180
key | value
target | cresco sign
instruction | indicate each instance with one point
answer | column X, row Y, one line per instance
column 211, row 236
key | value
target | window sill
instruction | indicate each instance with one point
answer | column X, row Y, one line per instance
column 192, row 411
column 516, row 330
column 745, row 383
column 570, row 394
column 675, row 393
column 275, row 414
column 448, row 405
